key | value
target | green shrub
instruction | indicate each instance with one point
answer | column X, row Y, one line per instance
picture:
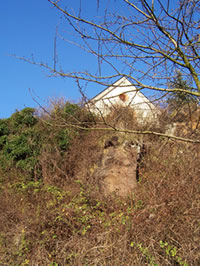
column 77, row 114
column 63, row 139
column 3, row 140
column 17, row 148
column 71, row 109
column 21, row 150
column 23, row 118
column 4, row 127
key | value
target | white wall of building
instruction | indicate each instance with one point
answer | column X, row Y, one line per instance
column 123, row 93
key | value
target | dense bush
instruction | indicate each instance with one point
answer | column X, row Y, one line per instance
column 22, row 119
column 24, row 137
column 71, row 109
column 4, row 130
column 19, row 141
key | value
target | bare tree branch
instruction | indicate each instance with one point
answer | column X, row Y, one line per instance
column 166, row 38
column 146, row 41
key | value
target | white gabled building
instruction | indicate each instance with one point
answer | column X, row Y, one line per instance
column 123, row 93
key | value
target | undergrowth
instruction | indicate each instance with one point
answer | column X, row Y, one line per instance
column 52, row 212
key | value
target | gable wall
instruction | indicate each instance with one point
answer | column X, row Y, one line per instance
column 123, row 93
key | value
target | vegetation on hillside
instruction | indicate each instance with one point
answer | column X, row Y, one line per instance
column 52, row 212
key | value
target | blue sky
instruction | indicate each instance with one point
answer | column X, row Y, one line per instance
column 28, row 28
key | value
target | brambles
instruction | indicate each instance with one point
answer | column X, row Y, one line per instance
column 53, row 213
column 172, row 251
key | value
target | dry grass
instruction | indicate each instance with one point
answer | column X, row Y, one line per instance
column 64, row 220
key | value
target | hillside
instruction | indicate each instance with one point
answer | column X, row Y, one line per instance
column 53, row 211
